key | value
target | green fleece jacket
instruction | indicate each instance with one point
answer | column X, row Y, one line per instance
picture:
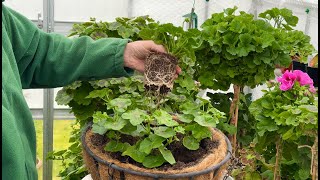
column 34, row 59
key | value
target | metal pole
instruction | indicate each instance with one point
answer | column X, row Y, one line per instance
column 206, row 10
column 306, row 28
column 48, row 94
column 130, row 4
column 253, row 8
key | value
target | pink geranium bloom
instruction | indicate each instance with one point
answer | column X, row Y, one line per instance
column 287, row 80
column 312, row 89
column 303, row 78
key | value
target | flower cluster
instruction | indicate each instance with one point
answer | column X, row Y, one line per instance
column 289, row 78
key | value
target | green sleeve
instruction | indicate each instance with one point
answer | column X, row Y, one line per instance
column 51, row 60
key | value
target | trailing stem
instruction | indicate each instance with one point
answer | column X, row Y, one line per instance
column 233, row 114
column 276, row 172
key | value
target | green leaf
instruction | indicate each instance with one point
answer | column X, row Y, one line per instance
column 229, row 128
column 288, row 134
column 304, row 173
column 310, row 108
column 101, row 93
column 252, row 176
column 140, row 131
column 230, row 39
column 186, row 118
column 119, row 104
column 266, row 104
column 265, row 124
column 99, row 128
column 111, row 135
column 236, row 26
column 152, row 161
column 156, row 141
column 81, row 93
column 222, row 27
column 165, row 118
column 267, row 40
column 289, row 95
column 145, row 146
column 245, row 46
column 136, row 116
column 167, row 155
column 103, row 119
column 128, row 129
column 230, row 11
column 179, row 129
column 190, row 142
column 134, row 153
column 186, row 82
column 63, row 98
column 291, row 121
column 206, row 120
column 296, row 111
column 114, row 146
column 74, row 85
column 163, row 131
column 200, row 132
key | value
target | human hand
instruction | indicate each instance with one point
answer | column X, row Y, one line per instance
column 136, row 52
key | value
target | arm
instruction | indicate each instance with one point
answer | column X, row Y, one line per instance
column 52, row 60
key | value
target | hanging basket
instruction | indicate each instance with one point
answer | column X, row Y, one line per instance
column 103, row 167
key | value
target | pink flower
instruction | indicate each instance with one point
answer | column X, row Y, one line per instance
column 312, row 89
column 303, row 78
column 287, row 80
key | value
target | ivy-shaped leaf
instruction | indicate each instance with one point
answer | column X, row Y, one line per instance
column 120, row 104
column 134, row 153
column 136, row 116
column 163, row 131
column 114, row 146
column 190, row 142
column 206, row 120
column 164, row 118
column 167, row 155
column 152, row 161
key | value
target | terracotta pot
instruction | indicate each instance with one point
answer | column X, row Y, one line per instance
column 103, row 167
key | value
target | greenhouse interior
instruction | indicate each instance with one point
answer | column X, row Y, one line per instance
column 160, row 89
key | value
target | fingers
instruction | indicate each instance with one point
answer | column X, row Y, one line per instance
column 140, row 67
column 157, row 47
column 178, row 69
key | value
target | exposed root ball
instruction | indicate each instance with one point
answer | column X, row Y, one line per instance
column 160, row 70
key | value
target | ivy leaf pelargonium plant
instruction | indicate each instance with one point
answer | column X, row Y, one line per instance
column 120, row 107
column 137, row 115
column 283, row 19
column 288, row 113
column 240, row 50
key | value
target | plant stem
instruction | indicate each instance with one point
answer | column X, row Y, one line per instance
column 276, row 172
column 234, row 108
column 314, row 164
column 314, row 158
